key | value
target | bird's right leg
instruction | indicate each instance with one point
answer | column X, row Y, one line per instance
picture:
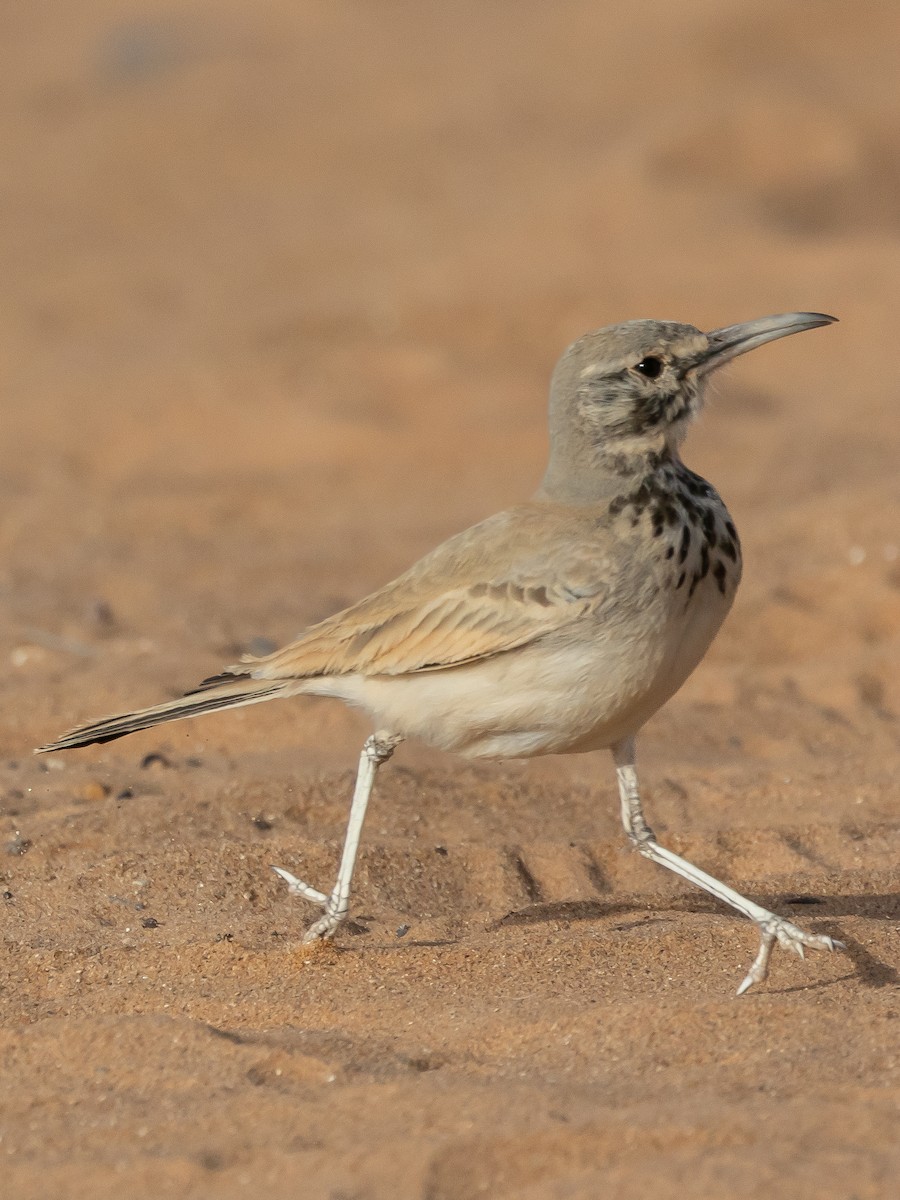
column 772, row 928
column 377, row 750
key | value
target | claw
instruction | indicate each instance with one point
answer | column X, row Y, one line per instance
column 298, row 888
column 747, row 983
column 323, row 929
column 791, row 937
column 326, row 926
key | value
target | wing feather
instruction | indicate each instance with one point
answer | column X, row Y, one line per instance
column 484, row 592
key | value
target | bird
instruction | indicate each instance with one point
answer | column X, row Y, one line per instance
column 558, row 626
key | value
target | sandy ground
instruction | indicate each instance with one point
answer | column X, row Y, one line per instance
column 281, row 289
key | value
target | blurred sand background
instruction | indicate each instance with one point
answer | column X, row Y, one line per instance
column 281, row 287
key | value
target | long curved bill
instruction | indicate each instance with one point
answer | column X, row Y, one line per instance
column 726, row 344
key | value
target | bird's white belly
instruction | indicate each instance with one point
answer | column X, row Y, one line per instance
column 566, row 694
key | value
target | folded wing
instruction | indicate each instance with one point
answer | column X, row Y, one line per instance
column 475, row 596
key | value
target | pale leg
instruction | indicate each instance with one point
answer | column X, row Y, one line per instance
column 772, row 927
column 378, row 749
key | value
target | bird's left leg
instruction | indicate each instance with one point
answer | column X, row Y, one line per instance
column 377, row 749
column 772, row 927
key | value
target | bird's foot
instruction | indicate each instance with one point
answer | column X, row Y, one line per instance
column 774, row 929
column 336, row 908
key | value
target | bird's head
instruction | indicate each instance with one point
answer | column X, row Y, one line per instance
column 624, row 393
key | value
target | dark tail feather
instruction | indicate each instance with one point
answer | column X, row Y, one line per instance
column 222, row 691
column 222, row 679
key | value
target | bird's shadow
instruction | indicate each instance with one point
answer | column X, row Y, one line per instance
column 868, row 969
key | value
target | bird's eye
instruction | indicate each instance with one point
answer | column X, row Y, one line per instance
column 649, row 366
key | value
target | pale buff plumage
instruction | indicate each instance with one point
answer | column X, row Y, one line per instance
column 558, row 626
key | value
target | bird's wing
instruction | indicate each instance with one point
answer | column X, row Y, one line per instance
column 502, row 584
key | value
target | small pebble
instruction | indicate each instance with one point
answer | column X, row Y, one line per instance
column 100, row 613
column 21, row 656
column 92, row 790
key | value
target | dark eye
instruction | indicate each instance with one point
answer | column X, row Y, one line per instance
column 649, row 366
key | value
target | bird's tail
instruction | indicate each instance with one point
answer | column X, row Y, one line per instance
column 230, row 690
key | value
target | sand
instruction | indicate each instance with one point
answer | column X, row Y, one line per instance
column 281, row 290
